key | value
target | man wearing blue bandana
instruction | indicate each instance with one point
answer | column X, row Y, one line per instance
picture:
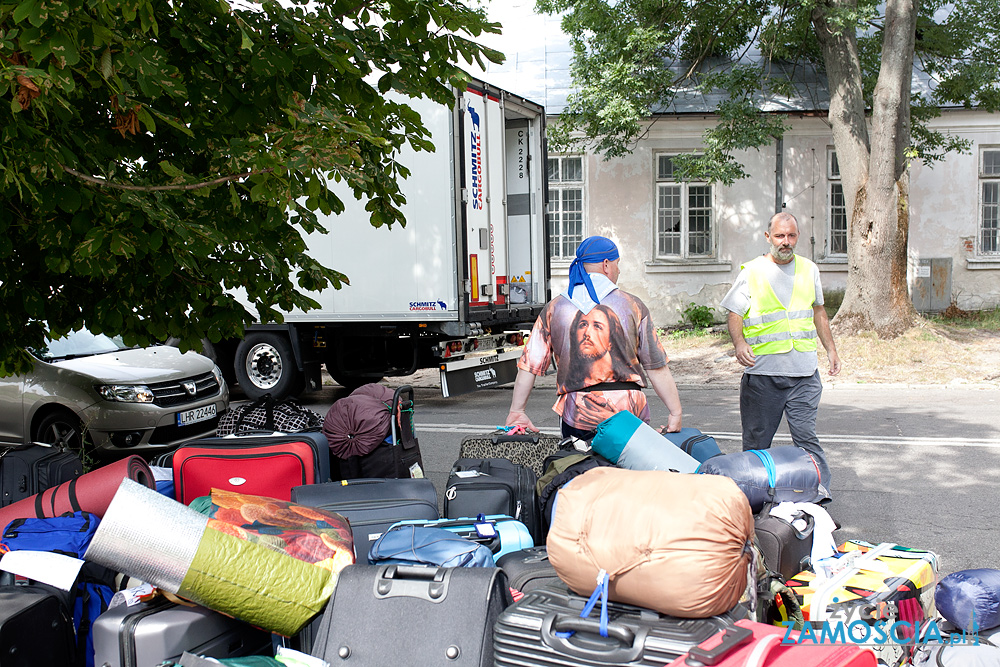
column 604, row 345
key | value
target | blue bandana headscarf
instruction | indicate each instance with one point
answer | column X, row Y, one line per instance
column 593, row 250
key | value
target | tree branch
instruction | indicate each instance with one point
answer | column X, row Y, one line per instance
column 104, row 183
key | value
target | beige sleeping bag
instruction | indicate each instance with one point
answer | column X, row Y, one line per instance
column 672, row 542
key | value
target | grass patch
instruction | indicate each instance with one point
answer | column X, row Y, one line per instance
column 978, row 319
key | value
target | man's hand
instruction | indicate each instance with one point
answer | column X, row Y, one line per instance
column 744, row 354
column 519, row 418
column 834, row 362
column 673, row 423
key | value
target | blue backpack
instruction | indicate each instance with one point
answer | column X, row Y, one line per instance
column 70, row 535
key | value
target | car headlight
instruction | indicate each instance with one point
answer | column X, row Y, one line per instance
column 217, row 372
column 126, row 393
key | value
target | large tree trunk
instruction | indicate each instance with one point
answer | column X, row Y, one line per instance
column 873, row 168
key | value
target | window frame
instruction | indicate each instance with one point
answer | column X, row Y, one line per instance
column 556, row 190
column 684, row 236
column 982, row 179
column 833, row 179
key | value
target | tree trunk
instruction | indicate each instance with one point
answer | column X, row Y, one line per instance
column 873, row 168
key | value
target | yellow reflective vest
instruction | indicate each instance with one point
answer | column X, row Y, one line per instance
column 769, row 327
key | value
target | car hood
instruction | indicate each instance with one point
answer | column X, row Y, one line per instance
column 151, row 364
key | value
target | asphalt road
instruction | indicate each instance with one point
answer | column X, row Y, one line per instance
column 913, row 466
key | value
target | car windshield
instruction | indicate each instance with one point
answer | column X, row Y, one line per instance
column 79, row 344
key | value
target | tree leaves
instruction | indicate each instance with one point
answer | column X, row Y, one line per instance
column 118, row 231
column 631, row 59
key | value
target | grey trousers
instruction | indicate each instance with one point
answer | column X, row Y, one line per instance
column 763, row 401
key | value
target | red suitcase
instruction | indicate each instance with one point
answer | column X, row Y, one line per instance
column 750, row 644
column 259, row 466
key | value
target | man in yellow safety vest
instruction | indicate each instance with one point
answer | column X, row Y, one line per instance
column 775, row 316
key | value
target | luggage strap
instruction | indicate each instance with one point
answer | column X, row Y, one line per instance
column 768, row 461
column 600, row 593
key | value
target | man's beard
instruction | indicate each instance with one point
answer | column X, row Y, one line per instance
column 594, row 355
column 783, row 255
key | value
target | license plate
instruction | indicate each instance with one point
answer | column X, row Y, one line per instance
column 196, row 415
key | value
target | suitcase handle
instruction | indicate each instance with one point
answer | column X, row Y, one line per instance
column 729, row 639
column 630, row 643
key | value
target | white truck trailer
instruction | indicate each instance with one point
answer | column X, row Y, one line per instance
column 455, row 289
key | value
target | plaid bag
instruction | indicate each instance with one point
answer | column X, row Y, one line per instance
column 267, row 414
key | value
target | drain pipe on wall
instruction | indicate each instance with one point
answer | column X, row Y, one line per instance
column 779, row 170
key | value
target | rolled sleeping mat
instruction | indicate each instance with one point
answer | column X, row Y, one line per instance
column 695, row 443
column 631, row 443
column 970, row 596
column 91, row 492
column 164, row 543
column 770, row 475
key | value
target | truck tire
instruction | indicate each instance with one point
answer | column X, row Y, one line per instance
column 265, row 364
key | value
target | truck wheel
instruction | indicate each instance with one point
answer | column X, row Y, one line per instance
column 265, row 365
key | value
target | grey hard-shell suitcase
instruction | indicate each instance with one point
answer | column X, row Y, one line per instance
column 544, row 629
column 372, row 505
column 406, row 615
column 158, row 630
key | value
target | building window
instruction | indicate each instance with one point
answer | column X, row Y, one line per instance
column 836, row 242
column 989, row 207
column 683, row 215
column 564, row 214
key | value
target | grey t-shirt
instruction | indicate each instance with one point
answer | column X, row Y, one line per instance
column 782, row 278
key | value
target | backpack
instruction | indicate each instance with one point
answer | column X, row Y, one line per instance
column 69, row 535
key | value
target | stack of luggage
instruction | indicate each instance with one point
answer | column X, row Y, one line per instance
column 634, row 549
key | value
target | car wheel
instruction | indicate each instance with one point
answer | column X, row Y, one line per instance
column 61, row 429
column 265, row 365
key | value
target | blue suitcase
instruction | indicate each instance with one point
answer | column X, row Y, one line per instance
column 507, row 534
column 694, row 443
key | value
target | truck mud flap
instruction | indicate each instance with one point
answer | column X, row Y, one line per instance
column 468, row 375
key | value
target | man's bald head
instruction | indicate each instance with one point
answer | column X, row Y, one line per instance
column 782, row 217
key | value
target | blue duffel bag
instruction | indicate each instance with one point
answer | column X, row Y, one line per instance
column 420, row 545
column 695, row 444
column 770, row 475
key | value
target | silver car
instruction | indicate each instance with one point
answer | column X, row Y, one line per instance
column 91, row 389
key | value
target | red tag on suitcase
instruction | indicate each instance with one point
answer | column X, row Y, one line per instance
column 269, row 470
column 751, row 644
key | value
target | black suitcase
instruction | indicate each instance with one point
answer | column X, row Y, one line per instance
column 31, row 469
column 529, row 449
column 528, row 569
column 403, row 615
column 786, row 549
column 158, row 630
column 398, row 458
column 372, row 505
column 532, row 633
column 36, row 628
column 493, row 486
